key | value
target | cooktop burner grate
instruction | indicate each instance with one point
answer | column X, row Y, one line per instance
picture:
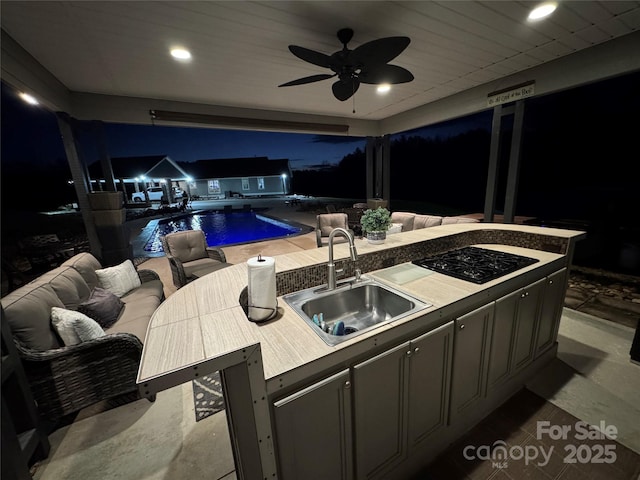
column 475, row 264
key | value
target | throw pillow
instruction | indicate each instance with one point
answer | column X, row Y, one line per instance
column 74, row 327
column 102, row 306
column 119, row 279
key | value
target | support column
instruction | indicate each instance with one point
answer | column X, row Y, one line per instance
column 370, row 169
column 377, row 172
column 80, row 181
column 513, row 175
column 495, row 154
column 386, row 169
column 109, row 216
column 105, row 159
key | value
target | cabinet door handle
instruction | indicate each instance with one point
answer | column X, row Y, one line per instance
column 462, row 326
column 417, row 349
column 347, row 384
column 408, row 353
column 550, row 282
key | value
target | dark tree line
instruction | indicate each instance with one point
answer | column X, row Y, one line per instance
column 449, row 171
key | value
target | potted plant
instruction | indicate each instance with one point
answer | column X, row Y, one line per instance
column 375, row 224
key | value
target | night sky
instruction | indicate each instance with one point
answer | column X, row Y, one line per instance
column 30, row 134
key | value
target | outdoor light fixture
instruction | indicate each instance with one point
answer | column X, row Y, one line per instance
column 542, row 10
column 30, row 99
column 180, row 54
column 243, row 122
column 384, row 88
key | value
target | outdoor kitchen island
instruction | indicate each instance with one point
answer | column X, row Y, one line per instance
column 383, row 404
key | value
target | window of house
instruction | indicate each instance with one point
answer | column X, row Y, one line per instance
column 245, row 184
column 214, row 186
column 261, row 183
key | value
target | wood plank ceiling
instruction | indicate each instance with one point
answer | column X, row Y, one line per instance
column 240, row 53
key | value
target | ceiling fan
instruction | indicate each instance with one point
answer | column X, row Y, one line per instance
column 367, row 63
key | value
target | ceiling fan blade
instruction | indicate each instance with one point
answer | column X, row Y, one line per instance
column 380, row 51
column 311, row 56
column 312, row 78
column 344, row 89
column 385, row 74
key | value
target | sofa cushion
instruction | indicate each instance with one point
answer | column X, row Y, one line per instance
column 426, row 221
column 86, row 264
column 119, row 279
column 188, row 245
column 405, row 218
column 68, row 284
column 454, row 220
column 136, row 315
column 102, row 306
column 74, row 327
column 152, row 288
column 28, row 311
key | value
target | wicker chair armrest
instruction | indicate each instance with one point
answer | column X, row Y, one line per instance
column 125, row 343
column 67, row 379
column 177, row 271
column 217, row 254
column 148, row 275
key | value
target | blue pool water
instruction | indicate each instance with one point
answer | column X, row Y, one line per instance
column 223, row 229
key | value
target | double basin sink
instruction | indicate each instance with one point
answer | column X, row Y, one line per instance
column 353, row 308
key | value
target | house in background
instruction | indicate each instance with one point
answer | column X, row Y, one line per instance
column 239, row 177
column 212, row 178
column 135, row 174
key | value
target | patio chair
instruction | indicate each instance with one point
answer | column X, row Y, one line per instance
column 190, row 257
column 326, row 222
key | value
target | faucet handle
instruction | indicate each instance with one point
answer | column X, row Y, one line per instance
column 358, row 274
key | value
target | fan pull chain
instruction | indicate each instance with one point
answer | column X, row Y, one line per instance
column 353, row 96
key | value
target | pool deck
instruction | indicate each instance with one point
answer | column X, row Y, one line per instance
column 147, row 233
column 276, row 207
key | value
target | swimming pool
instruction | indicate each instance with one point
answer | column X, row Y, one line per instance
column 222, row 229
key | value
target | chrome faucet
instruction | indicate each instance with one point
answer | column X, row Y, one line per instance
column 331, row 268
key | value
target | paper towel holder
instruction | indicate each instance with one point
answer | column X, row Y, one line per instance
column 244, row 303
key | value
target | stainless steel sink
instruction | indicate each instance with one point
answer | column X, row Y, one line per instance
column 361, row 305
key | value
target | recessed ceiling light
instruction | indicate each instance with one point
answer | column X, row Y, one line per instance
column 181, row 54
column 542, row 10
column 384, row 88
column 30, row 99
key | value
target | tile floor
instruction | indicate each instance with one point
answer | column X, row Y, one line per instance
column 516, row 424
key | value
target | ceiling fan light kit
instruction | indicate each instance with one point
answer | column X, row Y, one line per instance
column 367, row 63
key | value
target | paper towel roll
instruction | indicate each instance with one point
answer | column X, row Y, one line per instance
column 261, row 288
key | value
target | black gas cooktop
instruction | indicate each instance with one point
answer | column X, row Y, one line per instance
column 477, row 265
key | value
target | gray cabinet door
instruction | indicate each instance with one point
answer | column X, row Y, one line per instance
column 504, row 326
column 514, row 332
column 380, row 403
column 429, row 383
column 526, row 324
column 313, row 431
column 470, row 359
column 550, row 311
column 401, row 398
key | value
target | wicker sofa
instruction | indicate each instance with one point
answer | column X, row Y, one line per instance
column 66, row 378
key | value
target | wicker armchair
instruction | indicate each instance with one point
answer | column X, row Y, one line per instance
column 326, row 222
column 188, row 254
